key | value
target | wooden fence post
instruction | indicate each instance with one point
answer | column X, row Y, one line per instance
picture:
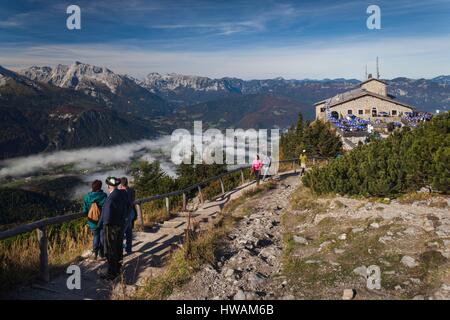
column 139, row 215
column 222, row 186
column 167, row 205
column 242, row 176
column 43, row 254
column 184, row 202
column 200, row 194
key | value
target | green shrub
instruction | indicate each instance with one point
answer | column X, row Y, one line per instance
column 404, row 162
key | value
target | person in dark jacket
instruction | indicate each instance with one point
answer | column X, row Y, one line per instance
column 98, row 196
column 114, row 214
column 132, row 215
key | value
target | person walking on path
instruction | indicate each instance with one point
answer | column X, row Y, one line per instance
column 115, row 212
column 92, row 207
column 129, row 224
column 256, row 168
column 302, row 159
column 266, row 166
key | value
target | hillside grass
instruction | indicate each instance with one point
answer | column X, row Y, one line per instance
column 19, row 256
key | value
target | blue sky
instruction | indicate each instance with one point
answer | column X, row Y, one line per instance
column 246, row 39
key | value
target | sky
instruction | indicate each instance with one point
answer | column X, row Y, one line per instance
column 253, row 39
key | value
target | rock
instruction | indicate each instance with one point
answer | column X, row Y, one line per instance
column 385, row 239
column 368, row 206
column 288, row 297
column 339, row 251
column 389, row 272
column 398, row 287
column 409, row 262
column 445, row 287
column 419, row 297
column 300, row 240
column 348, row 294
column 342, row 236
column 312, row 261
column 415, row 280
column 229, row 273
column 323, row 245
column 240, row 295
column 428, row 226
column 410, row 231
column 357, row 230
column 256, row 279
column 362, row 271
column 374, row 225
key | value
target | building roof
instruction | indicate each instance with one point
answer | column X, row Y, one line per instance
column 372, row 79
column 356, row 94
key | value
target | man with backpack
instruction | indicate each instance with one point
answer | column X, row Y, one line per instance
column 114, row 214
column 92, row 206
column 129, row 224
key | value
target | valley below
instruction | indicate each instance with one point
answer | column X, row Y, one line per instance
column 49, row 184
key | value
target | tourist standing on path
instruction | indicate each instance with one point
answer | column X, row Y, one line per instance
column 302, row 159
column 266, row 166
column 256, row 168
column 129, row 224
column 92, row 207
column 115, row 211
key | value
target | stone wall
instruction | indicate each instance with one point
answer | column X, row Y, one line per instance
column 364, row 107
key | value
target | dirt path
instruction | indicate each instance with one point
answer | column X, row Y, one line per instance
column 293, row 245
column 252, row 254
column 150, row 249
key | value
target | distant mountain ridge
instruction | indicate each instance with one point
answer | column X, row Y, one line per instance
column 118, row 92
column 37, row 116
column 81, row 105
column 425, row 94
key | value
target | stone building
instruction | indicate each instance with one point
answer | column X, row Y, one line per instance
column 370, row 101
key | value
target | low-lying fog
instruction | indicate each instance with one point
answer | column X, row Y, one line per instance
column 91, row 163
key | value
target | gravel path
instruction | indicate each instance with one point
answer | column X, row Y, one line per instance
column 252, row 254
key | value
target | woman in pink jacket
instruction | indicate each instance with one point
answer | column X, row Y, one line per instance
column 256, row 168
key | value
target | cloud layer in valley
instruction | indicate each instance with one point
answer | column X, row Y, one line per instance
column 91, row 158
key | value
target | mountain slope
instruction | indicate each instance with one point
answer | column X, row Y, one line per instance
column 245, row 111
column 425, row 94
column 38, row 117
column 118, row 92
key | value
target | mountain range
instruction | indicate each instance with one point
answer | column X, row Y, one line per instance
column 80, row 105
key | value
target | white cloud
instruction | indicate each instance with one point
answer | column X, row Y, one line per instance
column 413, row 57
column 91, row 158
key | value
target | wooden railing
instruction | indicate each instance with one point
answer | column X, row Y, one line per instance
column 41, row 225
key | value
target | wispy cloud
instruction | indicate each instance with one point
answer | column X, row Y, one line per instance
column 413, row 57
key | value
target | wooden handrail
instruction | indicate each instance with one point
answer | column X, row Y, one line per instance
column 41, row 225
column 73, row 216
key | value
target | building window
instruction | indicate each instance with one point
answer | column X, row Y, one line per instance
column 322, row 109
column 394, row 112
column 349, row 112
column 360, row 112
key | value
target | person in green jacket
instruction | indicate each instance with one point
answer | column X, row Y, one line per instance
column 98, row 196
